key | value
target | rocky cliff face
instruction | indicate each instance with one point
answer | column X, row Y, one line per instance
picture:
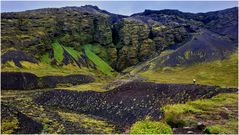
column 126, row 41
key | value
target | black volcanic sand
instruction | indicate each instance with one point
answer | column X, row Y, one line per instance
column 25, row 81
column 128, row 103
column 206, row 46
column 26, row 124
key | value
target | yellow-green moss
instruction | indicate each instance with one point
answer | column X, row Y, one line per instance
column 9, row 125
column 150, row 127
column 97, row 86
column 187, row 54
column 229, row 128
column 91, row 124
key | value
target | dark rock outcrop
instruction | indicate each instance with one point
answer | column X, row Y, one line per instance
column 17, row 56
column 26, row 124
column 18, row 81
column 28, row 81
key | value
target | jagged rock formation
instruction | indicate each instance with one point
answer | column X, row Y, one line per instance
column 124, row 41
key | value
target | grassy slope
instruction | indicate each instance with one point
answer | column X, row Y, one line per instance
column 75, row 54
column 219, row 114
column 43, row 69
column 58, row 52
column 100, row 64
column 221, row 73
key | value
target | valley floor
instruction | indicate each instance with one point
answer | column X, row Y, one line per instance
column 215, row 115
column 131, row 103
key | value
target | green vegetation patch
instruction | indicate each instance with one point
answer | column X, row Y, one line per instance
column 174, row 114
column 9, row 125
column 187, row 55
column 58, row 52
column 219, row 114
column 221, row 72
column 75, row 54
column 100, row 64
column 150, row 127
column 228, row 128
column 46, row 58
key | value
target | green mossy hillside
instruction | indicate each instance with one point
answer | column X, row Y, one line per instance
column 90, row 50
column 220, row 72
column 100, row 64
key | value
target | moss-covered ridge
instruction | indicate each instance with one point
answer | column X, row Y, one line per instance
column 58, row 56
column 127, row 41
column 86, row 57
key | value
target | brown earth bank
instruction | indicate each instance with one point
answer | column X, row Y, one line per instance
column 24, row 80
column 129, row 102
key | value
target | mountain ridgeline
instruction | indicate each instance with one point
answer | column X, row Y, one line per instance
column 90, row 37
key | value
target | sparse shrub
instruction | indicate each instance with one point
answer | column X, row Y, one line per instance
column 150, row 127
